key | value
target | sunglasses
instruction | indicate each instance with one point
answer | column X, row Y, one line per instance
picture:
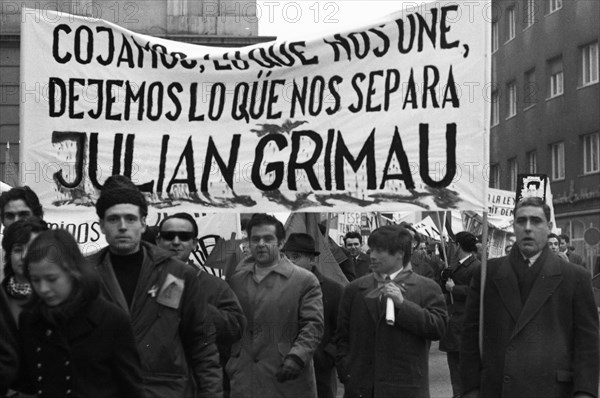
column 184, row 236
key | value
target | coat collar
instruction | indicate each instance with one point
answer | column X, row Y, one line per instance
column 284, row 267
column 81, row 324
column 153, row 258
column 549, row 278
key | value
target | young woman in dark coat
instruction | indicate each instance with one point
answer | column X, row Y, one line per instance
column 74, row 343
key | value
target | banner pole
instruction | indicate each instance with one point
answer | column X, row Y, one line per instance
column 327, row 230
column 437, row 213
column 484, row 238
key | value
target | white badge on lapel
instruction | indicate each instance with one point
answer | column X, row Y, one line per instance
column 171, row 291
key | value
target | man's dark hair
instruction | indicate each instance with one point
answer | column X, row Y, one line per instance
column 392, row 238
column 353, row 235
column 565, row 238
column 412, row 229
column 183, row 216
column 259, row 219
column 533, row 201
column 25, row 194
column 467, row 241
column 119, row 189
column 553, row 235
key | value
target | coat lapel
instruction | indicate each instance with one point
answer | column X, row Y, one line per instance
column 373, row 303
column 546, row 283
column 112, row 288
column 508, row 287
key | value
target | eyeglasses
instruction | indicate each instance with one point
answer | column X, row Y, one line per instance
column 184, row 236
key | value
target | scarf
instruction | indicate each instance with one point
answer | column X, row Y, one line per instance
column 17, row 290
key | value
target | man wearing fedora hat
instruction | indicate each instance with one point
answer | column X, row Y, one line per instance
column 300, row 249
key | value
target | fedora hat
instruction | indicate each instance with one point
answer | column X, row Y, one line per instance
column 302, row 243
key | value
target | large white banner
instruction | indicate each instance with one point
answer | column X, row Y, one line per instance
column 385, row 117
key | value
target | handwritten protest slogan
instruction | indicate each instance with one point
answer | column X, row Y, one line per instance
column 385, row 116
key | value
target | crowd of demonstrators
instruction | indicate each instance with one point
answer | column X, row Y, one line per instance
column 284, row 310
column 379, row 357
column 73, row 342
column 540, row 325
column 136, row 319
column 179, row 234
column 300, row 249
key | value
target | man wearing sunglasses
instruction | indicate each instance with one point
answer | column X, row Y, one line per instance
column 179, row 234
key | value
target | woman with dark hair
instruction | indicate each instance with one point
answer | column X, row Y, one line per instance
column 74, row 343
column 17, row 237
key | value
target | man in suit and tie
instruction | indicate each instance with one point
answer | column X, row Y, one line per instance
column 378, row 356
column 540, row 321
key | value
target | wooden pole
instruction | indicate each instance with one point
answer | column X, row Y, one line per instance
column 484, row 238
column 437, row 213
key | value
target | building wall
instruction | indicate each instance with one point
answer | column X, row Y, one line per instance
column 541, row 121
column 227, row 23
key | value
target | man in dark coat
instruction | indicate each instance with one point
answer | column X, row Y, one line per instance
column 456, row 280
column 300, row 249
column 387, row 321
column 540, row 321
column 361, row 261
column 174, row 334
column 178, row 234
column 573, row 257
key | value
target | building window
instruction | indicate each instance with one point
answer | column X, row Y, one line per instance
column 555, row 5
column 532, row 162
column 495, row 109
column 589, row 64
column 511, row 89
column 529, row 13
column 511, row 20
column 591, row 153
column 494, row 36
column 512, row 173
column 530, row 89
column 558, row 161
column 495, row 176
column 555, row 77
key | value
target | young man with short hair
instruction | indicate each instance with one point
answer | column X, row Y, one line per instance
column 170, row 317
column 573, row 257
column 380, row 359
